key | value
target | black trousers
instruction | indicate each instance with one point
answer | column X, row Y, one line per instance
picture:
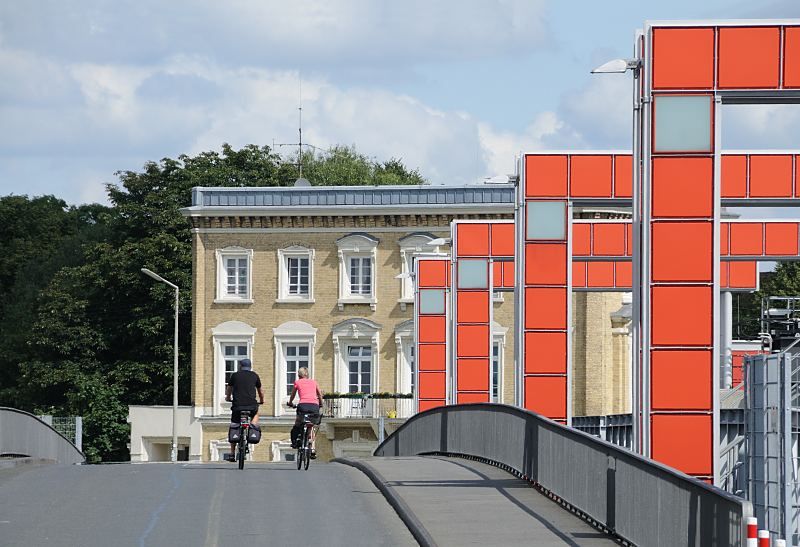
column 304, row 408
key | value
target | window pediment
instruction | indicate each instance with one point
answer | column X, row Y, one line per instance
column 233, row 328
column 357, row 242
column 356, row 328
column 294, row 328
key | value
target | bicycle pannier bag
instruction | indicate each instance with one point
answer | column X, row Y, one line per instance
column 234, row 433
column 254, row 434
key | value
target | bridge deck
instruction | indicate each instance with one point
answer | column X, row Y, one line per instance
column 463, row 502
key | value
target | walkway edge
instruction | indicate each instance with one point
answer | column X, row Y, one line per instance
column 402, row 509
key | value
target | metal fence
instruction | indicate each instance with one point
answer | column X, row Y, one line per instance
column 367, row 407
column 641, row 501
column 70, row 427
column 24, row 435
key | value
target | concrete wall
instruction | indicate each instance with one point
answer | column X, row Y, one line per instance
column 151, row 428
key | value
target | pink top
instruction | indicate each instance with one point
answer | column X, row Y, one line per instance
column 307, row 389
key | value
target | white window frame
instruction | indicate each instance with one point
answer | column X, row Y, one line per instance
column 291, row 333
column 357, row 246
column 222, row 296
column 230, row 332
column 411, row 246
column 499, row 339
column 295, row 251
column 355, row 332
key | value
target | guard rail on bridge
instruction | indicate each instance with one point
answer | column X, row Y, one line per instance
column 24, row 435
column 637, row 499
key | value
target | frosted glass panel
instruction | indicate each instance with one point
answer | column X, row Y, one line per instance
column 546, row 219
column 683, row 124
column 473, row 274
column 431, row 301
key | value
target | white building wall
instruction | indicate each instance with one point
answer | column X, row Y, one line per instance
column 151, row 428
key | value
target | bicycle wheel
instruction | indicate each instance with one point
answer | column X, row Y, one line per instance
column 300, row 453
column 307, row 461
column 241, row 451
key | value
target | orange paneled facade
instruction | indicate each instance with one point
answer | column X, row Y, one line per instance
column 431, row 324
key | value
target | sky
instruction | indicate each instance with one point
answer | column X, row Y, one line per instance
column 455, row 89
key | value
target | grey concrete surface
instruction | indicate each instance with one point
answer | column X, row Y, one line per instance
column 462, row 502
column 211, row 505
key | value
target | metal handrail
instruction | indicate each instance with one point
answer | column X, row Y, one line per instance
column 23, row 434
column 639, row 500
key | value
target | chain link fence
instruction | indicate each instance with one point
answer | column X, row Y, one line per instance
column 69, row 426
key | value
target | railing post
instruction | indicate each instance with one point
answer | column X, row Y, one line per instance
column 381, row 428
column 79, row 432
column 47, row 419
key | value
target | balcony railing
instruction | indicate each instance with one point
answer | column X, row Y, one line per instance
column 358, row 405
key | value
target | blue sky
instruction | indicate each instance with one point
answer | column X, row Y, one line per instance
column 454, row 88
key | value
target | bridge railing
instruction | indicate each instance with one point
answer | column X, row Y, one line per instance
column 641, row 501
column 24, row 435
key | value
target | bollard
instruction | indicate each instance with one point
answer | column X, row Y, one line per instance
column 780, row 543
column 752, row 532
column 763, row 538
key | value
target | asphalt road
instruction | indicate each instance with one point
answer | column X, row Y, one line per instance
column 211, row 505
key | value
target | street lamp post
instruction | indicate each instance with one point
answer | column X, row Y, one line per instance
column 174, row 452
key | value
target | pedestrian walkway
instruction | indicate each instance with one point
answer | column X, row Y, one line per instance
column 463, row 502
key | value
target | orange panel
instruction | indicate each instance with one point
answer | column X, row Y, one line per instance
column 624, row 275
column 427, row 405
column 781, row 238
column 629, row 240
column 683, row 187
column 590, row 176
column 734, row 176
column 746, row 238
column 433, row 273
column 473, row 375
column 724, row 234
column 432, row 385
column 432, row 329
column 682, row 251
column 623, row 176
column 432, row 357
column 464, row 398
column 683, row 442
column 749, row 57
column 578, row 274
column 581, row 240
column 609, row 239
column 545, row 264
column 472, row 307
column 473, row 239
column 545, row 308
column 502, row 240
column 743, row 275
column 546, row 176
column 497, row 274
column 770, row 176
column 681, row 316
column 681, row 380
column 546, row 395
column 508, row 274
column 672, row 47
column 600, row 274
column 791, row 57
column 545, row 353
column 472, row 340
column 724, row 278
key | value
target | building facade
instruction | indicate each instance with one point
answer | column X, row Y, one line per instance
column 311, row 276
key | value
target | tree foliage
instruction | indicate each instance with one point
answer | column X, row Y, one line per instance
column 82, row 331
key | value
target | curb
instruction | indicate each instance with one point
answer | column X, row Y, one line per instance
column 402, row 509
column 10, row 463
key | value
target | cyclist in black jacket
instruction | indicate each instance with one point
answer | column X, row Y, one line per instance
column 241, row 388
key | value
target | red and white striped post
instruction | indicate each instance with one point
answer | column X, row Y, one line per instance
column 752, row 532
column 763, row 538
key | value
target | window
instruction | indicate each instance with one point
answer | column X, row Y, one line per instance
column 295, row 277
column 234, row 275
column 356, row 361
column 233, row 354
column 359, row 368
column 361, row 276
column 411, row 246
column 357, row 259
column 498, row 351
column 294, row 348
column 296, row 358
column 232, row 341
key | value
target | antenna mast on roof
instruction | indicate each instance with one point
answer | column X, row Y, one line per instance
column 300, row 129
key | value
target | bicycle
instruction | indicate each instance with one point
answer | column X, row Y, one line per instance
column 304, row 450
column 243, row 446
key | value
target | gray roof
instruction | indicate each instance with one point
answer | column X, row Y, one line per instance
column 350, row 196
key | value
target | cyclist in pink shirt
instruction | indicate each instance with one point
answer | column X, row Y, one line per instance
column 309, row 403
